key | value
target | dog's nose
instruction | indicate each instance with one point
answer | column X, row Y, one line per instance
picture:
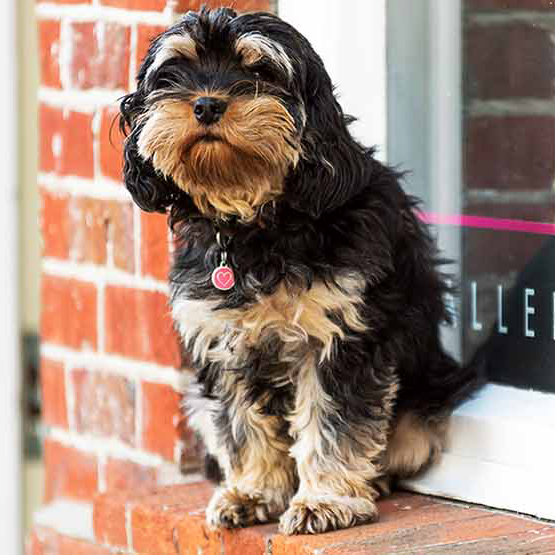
column 209, row 110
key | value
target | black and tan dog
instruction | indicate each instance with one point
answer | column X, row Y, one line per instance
column 303, row 284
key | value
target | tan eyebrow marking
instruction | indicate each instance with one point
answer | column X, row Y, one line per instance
column 254, row 47
column 172, row 47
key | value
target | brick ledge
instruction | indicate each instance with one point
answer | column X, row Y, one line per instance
column 170, row 521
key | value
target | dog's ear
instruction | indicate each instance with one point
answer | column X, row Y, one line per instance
column 150, row 190
column 333, row 166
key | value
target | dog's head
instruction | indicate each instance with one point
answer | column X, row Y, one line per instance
column 235, row 111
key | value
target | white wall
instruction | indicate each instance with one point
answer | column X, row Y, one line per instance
column 10, row 440
column 350, row 38
column 28, row 162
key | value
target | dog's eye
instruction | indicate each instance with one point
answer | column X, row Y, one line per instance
column 263, row 73
column 163, row 83
column 171, row 74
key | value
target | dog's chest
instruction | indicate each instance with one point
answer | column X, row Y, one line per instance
column 282, row 324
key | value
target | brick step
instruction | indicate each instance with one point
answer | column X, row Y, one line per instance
column 46, row 541
column 170, row 521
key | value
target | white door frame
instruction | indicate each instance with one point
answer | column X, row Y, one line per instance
column 10, row 373
column 501, row 448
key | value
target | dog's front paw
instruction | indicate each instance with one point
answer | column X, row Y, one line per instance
column 230, row 508
column 314, row 515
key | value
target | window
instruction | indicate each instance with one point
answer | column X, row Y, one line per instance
column 467, row 88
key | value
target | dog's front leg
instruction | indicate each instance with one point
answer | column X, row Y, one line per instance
column 259, row 472
column 341, row 431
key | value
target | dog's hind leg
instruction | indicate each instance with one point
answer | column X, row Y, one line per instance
column 419, row 431
column 415, row 443
column 340, row 437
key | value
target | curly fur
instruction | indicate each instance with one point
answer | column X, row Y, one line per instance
column 321, row 374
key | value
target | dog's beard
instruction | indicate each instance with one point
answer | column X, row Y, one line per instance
column 230, row 168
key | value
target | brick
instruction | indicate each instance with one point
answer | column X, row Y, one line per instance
column 49, row 51
column 104, row 405
column 147, row 5
column 69, row 472
column 253, row 5
column 185, row 5
column 53, row 391
column 77, row 145
column 126, row 475
column 69, row 312
column 155, row 259
column 497, row 252
column 519, row 544
column 394, row 516
column 101, row 232
column 252, row 540
column 34, row 545
column 162, row 418
column 88, row 230
column 496, row 208
column 40, row 540
column 169, row 521
column 515, row 60
column 70, row 546
column 153, row 531
column 100, row 55
column 487, row 526
column 66, row 142
column 348, row 550
column 47, row 542
column 239, row 5
column 527, row 5
column 155, row 514
column 55, row 228
column 85, row 230
column 50, row 124
column 119, row 225
column 71, row 1
column 193, row 534
column 111, row 145
column 138, row 325
column 109, row 518
column 510, row 152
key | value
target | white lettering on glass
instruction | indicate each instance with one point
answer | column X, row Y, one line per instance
column 528, row 311
column 501, row 327
column 451, row 306
column 476, row 326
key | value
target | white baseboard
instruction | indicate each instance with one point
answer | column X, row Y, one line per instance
column 501, row 453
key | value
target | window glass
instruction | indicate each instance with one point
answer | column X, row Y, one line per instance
column 472, row 113
column 508, row 245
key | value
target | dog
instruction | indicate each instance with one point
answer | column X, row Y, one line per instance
column 304, row 286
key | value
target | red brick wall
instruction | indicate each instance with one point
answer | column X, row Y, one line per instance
column 110, row 359
column 509, row 140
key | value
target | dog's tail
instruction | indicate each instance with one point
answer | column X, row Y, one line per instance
column 466, row 380
column 443, row 385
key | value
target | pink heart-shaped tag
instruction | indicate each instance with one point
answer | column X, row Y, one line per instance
column 223, row 278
